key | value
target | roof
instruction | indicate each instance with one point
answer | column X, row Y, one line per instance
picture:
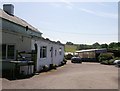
column 54, row 42
column 17, row 20
column 23, row 23
column 90, row 50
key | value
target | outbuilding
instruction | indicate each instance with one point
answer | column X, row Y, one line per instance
column 90, row 54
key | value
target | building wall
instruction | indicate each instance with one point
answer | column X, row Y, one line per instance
column 55, row 59
column 87, row 54
column 21, row 43
column 18, row 36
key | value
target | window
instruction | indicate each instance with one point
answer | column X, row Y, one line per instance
column 51, row 52
column 60, row 51
column 4, row 51
column 8, row 51
column 43, row 52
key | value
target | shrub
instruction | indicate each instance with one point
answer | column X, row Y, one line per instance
column 64, row 60
column 45, row 68
column 105, row 62
column 53, row 66
column 68, row 57
column 105, row 56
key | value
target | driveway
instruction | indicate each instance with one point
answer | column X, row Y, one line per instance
column 71, row 76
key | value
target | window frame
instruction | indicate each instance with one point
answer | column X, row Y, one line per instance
column 6, row 53
column 43, row 51
column 60, row 51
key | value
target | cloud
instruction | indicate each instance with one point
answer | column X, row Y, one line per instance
column 69, row 5
column 56, row 5
column 67, row 2
column 98, row 13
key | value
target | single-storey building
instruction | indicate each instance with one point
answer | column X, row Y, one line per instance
column 90, row 54
column 24, row 46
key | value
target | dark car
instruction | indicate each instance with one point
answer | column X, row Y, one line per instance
column 76, row 60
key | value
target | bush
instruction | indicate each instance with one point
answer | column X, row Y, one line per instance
column 53, row 66
column 105, row 56
column 64, row 60
column 105, row 62
column 45, row 68
column 68, row 57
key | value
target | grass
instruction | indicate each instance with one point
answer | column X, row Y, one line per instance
column 70, row 48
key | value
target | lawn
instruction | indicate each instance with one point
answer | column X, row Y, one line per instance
column 70, row 48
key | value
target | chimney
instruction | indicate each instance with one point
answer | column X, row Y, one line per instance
column 9, row 9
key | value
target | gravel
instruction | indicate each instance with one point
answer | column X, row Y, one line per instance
column 70, row 76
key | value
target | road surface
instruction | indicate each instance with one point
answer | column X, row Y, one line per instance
column 71, row 76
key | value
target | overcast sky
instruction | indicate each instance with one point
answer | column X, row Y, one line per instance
column 78, row 22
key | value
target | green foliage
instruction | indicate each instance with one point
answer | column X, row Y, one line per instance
column 84, row 46
column 105, row 56
column 108, row 62
column 45, row 68
column 104, row 46
column 70, row 48
column 69, row 43
column 68, row 57
column 65, row 60
column 115, row 46
column 96, row 45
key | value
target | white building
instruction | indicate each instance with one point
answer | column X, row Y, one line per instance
column 18, row 35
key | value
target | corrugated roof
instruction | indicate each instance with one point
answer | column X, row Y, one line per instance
column 88, row 50
column 17, row 20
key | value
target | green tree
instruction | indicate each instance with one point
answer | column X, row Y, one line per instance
column 69, row 43
column 113, row 45
column 104, row 46
column 96, row 45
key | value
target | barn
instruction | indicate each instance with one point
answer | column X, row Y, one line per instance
column 90, row 54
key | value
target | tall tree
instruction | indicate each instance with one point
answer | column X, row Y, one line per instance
column 104, row 46
column 96, row 45
column 69, row 43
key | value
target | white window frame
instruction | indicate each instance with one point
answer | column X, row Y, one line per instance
column 60, row 51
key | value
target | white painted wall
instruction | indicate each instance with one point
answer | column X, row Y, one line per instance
column 27, row 44
column 48, row 60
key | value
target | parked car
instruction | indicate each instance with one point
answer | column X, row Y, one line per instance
column 76, row 60
column 117, row 63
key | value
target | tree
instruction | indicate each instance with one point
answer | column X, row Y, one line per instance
column 69, row 43
column 104, row 46
column 96, row 45
column 58, row 42
column 113, row 45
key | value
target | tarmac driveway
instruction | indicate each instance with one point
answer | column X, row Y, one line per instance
column 71, row 76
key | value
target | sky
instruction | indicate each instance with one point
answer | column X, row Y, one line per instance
column 77, row 22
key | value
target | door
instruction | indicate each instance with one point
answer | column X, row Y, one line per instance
column 52, row 55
